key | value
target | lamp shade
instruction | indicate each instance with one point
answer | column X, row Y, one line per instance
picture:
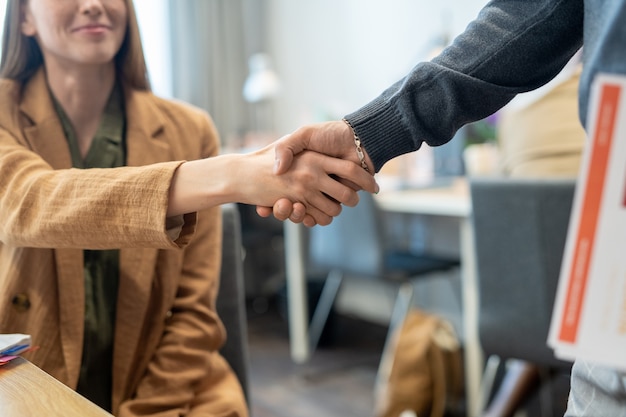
column 262, row 82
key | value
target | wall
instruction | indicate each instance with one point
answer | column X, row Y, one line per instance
column 334, row 56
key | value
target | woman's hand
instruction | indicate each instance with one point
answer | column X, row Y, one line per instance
column 310, row 185
column 330, row 138
column 309, row 188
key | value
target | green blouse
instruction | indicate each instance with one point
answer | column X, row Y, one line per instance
column 101, row 267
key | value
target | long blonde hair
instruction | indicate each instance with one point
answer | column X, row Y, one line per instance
column 21, row 55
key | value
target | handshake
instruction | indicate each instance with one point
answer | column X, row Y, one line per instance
column 322, row 166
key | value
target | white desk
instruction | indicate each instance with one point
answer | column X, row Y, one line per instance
column 453, row 201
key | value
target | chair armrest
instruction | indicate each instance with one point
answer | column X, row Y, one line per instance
column 231, row 297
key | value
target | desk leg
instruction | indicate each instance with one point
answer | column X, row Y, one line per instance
column 296, row 293
column 473, row 352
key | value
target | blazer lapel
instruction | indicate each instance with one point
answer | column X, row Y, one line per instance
column 136, row 275
column 45, row 136
column 146, row 136
column 71, row 308
column 146, row 143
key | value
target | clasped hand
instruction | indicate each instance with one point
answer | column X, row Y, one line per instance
column 320, row 163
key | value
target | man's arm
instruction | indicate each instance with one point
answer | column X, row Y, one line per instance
column 511, row 47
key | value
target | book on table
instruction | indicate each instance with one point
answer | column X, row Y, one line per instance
column 12, row 345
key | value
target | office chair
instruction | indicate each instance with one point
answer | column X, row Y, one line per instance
column 356, row 244
column 520, row 227
column 231, row 298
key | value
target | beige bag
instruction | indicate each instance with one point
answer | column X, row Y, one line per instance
column 424, row 373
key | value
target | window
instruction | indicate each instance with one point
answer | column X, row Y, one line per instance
column 154, row 23
column 3, row 6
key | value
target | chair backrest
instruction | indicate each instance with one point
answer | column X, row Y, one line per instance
column 520, row 228
column 231, row 298
column 353, row 242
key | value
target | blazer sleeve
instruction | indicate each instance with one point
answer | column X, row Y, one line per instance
column 91, row 209
column 187, row 370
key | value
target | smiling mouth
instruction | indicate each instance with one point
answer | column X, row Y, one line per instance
column 92, row 29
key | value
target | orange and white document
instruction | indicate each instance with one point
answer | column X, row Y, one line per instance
column 589, row 318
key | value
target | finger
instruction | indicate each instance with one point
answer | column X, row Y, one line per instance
column 351, row 172
column 346, row 182
column 264, row 211
column 298, row 213
column 326, row 203
column 309, row 221
column 337, row 192
column 282, row 209
column 317, row 216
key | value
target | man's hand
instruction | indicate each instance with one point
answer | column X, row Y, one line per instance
column 330, row 138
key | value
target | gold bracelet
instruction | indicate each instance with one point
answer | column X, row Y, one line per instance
column 359, row 149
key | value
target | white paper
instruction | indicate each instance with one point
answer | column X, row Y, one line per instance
column 14, row 343
column 589, row 318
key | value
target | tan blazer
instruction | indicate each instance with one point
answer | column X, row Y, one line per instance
column 167, row 331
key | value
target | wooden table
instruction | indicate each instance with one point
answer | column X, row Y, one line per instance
column 27, row 391
column 451, row 201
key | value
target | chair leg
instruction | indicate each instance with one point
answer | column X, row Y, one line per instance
column 545, row 395
column 401, row 308
column 488, row 379
column 518, row 382
column 324, row 305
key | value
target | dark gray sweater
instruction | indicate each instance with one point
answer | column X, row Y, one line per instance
column 513, row 46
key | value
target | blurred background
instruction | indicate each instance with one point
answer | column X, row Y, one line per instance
column 262, row 68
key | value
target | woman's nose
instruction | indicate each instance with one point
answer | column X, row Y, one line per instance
column 91, row 7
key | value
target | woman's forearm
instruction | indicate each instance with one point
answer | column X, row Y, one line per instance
column 201, row 184
column 249, row 179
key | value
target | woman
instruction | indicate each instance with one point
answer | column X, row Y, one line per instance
column 113, row 269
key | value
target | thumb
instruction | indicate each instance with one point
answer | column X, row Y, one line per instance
column 283, row 157
column 284, row 151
